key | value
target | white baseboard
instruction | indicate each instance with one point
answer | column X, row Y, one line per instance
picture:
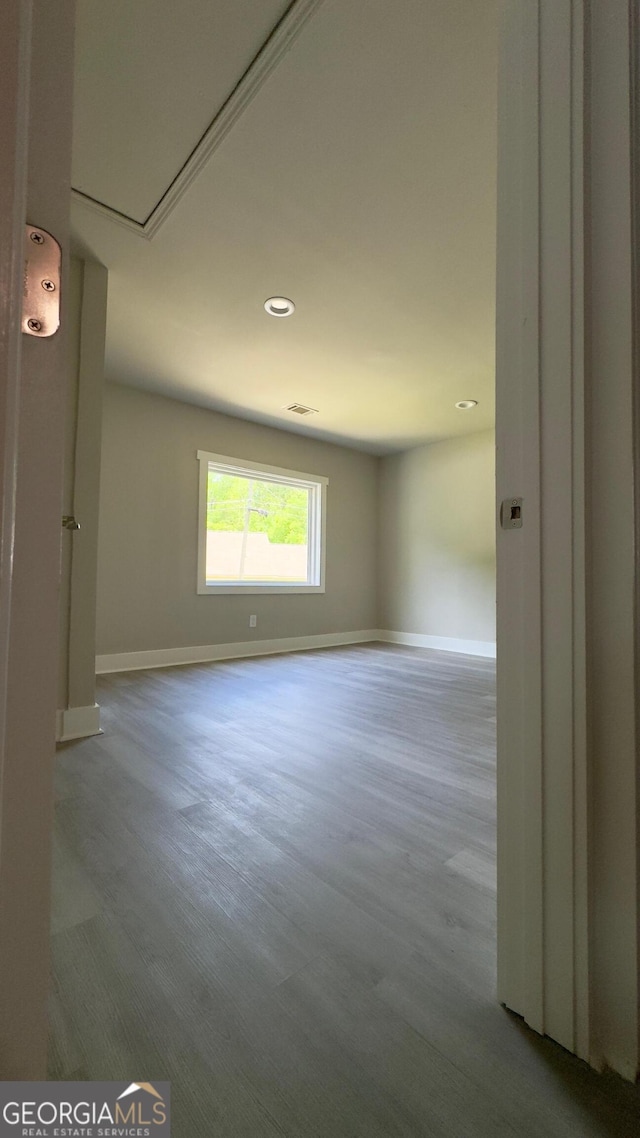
column 442, row 643
column 77, row 723
column 206, row 653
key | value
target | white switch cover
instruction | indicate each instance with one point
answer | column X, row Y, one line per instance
column 253, row 620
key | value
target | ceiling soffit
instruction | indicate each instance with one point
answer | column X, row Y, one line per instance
column 263, row 64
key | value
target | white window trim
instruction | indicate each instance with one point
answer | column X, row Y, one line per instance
column 317, row 529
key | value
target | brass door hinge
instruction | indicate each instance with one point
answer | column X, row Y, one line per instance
column 41, row 288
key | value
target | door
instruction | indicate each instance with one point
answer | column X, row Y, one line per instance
column 567, row 362
column 36, row 81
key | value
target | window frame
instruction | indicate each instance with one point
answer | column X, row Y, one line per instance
column 316, row 483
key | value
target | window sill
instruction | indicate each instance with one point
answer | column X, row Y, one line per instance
column 251, row 589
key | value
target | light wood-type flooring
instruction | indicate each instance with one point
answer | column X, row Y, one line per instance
column 275, row 887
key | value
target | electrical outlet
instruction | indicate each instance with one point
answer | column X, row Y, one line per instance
column 253, row 621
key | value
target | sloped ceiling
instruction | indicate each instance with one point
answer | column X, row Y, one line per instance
column 350, row 166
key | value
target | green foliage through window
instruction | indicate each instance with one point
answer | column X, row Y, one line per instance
column 273, row 508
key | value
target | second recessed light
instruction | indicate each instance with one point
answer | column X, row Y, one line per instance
column 466, row 404
column 279, row 306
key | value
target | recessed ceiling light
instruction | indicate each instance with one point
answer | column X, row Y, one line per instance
column 466, row 404
column 279, row 306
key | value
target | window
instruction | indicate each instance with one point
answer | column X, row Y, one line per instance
column 260, row 529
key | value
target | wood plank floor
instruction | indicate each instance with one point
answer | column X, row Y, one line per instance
column 275, row 887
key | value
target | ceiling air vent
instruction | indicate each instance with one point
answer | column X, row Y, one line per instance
column 300, row 409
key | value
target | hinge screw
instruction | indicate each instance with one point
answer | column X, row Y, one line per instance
column 37, row 237
column 48, row 286
column 34, row 325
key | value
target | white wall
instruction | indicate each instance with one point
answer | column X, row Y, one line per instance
column 437, row 540
column 147, row 596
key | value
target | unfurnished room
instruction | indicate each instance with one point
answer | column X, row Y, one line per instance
column 326, row 359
